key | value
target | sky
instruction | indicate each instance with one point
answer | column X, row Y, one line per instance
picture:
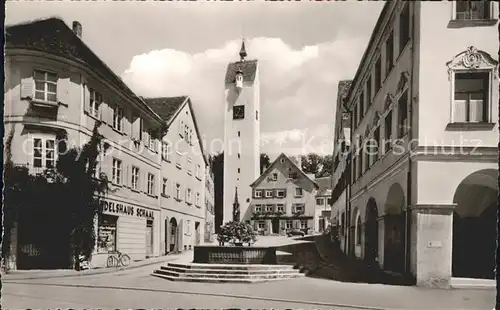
column 183, row 48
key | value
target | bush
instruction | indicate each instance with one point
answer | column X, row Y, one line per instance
column 233, row 232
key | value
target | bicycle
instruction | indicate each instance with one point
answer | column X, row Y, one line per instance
column 117, row 258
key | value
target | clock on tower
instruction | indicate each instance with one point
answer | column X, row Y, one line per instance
column 239, row 112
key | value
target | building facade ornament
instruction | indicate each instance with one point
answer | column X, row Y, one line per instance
column 376, row 119
column 389, row 100
column 472, row 59
column 403, row 82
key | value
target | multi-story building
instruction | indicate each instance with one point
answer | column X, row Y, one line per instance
column 283, row 198
column 422, row 194
column 183, row 170
column 241, row 134
column 56, row 89
column 323, row 203
column 341, row 171
column 209, row 203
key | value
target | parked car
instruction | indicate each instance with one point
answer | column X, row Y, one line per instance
column 295, row 232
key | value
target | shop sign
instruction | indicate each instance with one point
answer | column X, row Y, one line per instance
column 124, row 209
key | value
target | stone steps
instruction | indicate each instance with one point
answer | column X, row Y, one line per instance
column 470, row 283
column 218, row 273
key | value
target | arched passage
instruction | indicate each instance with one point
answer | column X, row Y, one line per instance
column 371, row 232
column 394, row 229
column 174, row 235
column 474, row 226
column 166, row 233
column 352, row 232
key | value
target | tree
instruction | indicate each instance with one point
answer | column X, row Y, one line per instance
column 326, row 167
column 80, row 191
column 311, row 163
column 265, row 162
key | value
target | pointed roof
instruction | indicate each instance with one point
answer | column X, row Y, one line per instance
column 170, row 107
column 243, row 52
column 274, row 163
column 247, row 67
column 325, row 186
column 236, row 196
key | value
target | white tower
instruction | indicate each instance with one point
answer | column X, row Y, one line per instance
column 241, row 134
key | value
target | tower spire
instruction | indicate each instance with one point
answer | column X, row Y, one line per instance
column 236, row 207
column 243, row 52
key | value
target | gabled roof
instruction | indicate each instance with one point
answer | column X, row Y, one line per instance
column 170, row 107
column 53, row 36
column 247, row 67
column 325, row 186
column 166, row 107
column 274, row 163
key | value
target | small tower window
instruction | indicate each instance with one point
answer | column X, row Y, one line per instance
column 239, row 170
column 239, row 79
column 238, row 133
column 257, row 115
column 239, row 156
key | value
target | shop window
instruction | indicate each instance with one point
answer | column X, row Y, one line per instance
column 107, row 238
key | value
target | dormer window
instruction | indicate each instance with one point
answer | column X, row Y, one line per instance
column 239, row 79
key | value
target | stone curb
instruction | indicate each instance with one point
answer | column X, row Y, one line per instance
column 287, row 300
column 90, row 272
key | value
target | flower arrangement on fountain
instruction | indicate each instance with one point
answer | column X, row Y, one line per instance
column 236, row 233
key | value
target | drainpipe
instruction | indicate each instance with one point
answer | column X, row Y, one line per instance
column 348, row 185
column 497, row 270
column 407, row 267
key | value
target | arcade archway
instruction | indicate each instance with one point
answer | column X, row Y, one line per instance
column 394, row 230
column 371, row 232
column 474, row 226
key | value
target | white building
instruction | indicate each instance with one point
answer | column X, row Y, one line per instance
column 241, row 135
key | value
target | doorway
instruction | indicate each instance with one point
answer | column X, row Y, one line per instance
column 275, row 223
column 197, row 232
column 149, row 238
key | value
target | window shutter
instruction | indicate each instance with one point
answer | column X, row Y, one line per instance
column 110, row 113
column 103, row 112
column 460, row 111
column 476, row 110
column 27, row 88
column 256, row 225
column 63, row 86
column 86, row 98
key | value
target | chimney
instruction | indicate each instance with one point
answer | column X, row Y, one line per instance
column 77, row 29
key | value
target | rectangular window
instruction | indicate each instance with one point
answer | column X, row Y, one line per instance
column 95, row 103
column 198, row 169
column 388, row 132
column 44, row 153
column 45, row 86
column 151, row 184
column 292, row 175
column 298, row 208
column 362, row 154
column 471, row 97
column 179, row 160
column 164, row 187
column 303, row 224
column 298, row 192
column 403, row 114
column 117, row 171
column 177, row 191
column 257, row 194
column 118, row 118
column 378, row 74
column 472, row 10
column 166, row 150
column 189, row 196
column 152, row 140
column 270, row 208
column 239, row 112
column 289, row 224
column 198, row 199
column 281, row 193
column 135, row 178
column 389, row 54
column 106, row 235
column 262, row 225
column 258, row 208
column 354, row 168
column 269, row 193
column 404, row 27
column 189, row 166
column 275, row 177
column 319, row 201
column 281, row 208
